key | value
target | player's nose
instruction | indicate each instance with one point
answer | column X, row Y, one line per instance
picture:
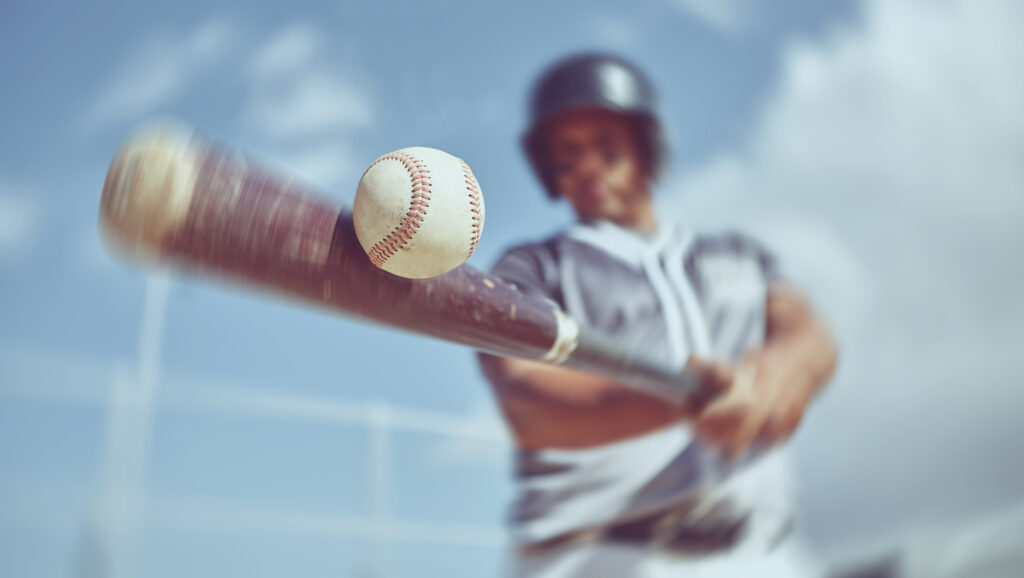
column 589, row 165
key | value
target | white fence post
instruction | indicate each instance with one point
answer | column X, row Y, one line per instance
column 380, row 487
column 119, row 503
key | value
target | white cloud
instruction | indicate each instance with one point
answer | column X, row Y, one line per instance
column 293, row 48
column 987, row 547
column 726, row 16
column 160, row 69
column 887, row 170
column 19, row 221
column 307, row 106
column 314, row 101
column 329, row 164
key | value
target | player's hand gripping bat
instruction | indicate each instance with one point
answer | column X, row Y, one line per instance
column 174, row 196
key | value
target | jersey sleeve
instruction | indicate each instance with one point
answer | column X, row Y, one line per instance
column 530, row 268
column 768, row 260
column 746, row 247
column 759, row 264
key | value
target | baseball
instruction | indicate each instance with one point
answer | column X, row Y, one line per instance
column 418, row 212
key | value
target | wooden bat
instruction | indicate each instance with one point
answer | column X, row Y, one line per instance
column 174, row 196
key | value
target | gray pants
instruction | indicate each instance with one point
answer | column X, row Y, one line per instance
column 601, row 559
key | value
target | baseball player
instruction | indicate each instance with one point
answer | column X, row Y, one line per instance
column 611, row 481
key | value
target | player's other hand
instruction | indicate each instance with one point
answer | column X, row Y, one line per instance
column 715, row 380
column 763, row 399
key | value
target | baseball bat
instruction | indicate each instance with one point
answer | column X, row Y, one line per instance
column 173, row 196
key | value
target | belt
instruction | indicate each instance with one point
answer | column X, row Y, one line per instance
column 687, row 530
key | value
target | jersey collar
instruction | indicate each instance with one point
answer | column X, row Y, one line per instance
column 625, row 244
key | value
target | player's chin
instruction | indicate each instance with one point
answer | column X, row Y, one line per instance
column 612, row 213
column 597, row 209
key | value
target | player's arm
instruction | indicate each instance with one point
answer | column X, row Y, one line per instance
column 558, row 407
column 774, row 384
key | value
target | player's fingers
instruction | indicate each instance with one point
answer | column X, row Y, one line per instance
column 772, row 432
column 715, row 378
column 740, row 391
column 781, row 426
column 745, row 433
column 735, row 420
column 727, row 420
column 715, row 426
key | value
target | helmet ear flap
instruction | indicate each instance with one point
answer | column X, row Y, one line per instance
column 655, row 145
column 534, row 145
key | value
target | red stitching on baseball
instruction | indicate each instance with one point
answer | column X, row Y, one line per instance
column 475, row 203
column 404, row 231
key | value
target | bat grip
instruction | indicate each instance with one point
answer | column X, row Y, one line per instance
column 597, row 353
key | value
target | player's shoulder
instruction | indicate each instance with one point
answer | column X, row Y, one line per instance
column 531, row 266
column 536, row 260
column 727, row 242
column 536, row 249
column 730, row 246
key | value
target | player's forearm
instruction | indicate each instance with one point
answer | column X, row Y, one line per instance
column 552, row 425
column 799, row 340
column 556, row 407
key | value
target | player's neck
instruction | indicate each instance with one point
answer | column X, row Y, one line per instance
column 641, row 218
column 638, row 216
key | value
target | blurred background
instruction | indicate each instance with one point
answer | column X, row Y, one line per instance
column 152, row 425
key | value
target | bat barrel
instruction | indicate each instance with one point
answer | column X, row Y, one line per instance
column 174, row 196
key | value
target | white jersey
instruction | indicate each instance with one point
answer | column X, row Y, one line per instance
column 669, row 295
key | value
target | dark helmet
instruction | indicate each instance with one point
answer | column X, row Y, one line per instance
column 593, row 80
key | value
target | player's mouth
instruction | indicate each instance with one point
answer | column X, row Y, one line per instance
column 595, row 192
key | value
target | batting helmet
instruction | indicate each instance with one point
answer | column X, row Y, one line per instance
column 593, row 80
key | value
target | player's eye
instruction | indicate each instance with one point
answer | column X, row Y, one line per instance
column 610, row 149
column 561, row 169
column 564, row 159
column 611, row 154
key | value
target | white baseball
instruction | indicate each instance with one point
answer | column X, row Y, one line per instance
column 418, row 212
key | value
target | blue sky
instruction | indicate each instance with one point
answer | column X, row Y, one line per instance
column 875, row 145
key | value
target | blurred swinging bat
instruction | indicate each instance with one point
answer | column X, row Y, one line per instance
column 174, row 196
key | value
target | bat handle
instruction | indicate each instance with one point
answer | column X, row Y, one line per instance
column 597, row 353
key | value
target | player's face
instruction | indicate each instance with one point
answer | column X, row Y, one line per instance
column 598, row 166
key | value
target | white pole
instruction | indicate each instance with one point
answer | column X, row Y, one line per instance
column 113, row 530
column 380, row 487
